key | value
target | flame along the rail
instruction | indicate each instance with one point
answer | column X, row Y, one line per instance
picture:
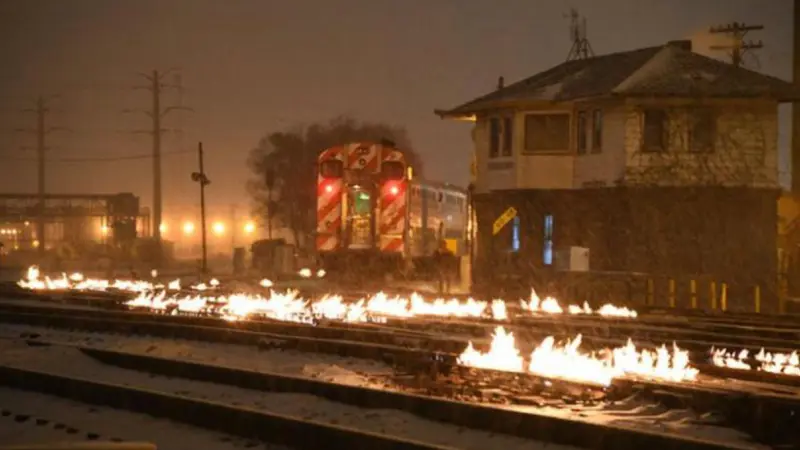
column 240, row 305
column 568, row 362
column 779, row 363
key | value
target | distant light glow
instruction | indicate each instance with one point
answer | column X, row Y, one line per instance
column 162, row 228
column 104, row 230
column 249, row 227
column 188, row 228
column 218, row 228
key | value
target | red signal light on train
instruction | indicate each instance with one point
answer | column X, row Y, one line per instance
column 392, row 189
column 329, row 188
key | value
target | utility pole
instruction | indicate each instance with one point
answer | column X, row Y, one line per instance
column 41, row 131
column 201, row 178
column 269, row 181
column 156, row 114
column 581, row 48
column 738, row 47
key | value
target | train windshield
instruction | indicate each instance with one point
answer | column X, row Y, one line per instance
column 361, row 202
column 332, row 168
column 393, row 170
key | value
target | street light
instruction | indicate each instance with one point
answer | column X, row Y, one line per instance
column 218, row 228
column 249, row 227
column 188, row 228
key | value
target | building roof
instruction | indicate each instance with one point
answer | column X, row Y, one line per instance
column 670, row 70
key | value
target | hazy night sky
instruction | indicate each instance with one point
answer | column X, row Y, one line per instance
column 254, row 66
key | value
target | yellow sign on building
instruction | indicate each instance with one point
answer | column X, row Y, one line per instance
column 501, row 221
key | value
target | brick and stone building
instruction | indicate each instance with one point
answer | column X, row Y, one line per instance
column 659, row 160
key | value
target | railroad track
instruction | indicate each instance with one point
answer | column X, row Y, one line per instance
column 402, row 347
column 407, row 339
column 772, row 409
column 266, row 427
column 225, row 418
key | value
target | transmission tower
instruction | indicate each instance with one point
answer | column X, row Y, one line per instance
column 738, row 46
column 581, row 48
column 157, row 112
column 42, row 130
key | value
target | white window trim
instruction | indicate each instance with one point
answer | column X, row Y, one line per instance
column 571, row 139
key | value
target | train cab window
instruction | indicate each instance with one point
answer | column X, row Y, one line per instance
column 393, row 170
column 332, row 168
column 361, row 203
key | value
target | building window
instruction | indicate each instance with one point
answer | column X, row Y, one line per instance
column 581, row 131
column 508, row 135
column 547, row 132
column 597, row 131
column 494, row 137
column 547, row 253
column 515, row 234
column 703, row 131
column 654, row 130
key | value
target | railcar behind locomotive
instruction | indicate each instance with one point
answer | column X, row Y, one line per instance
column 371, row 209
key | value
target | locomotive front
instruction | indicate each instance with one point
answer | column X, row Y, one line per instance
column 362, row 205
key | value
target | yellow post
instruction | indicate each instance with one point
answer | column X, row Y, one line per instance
column 712, row 293
column 757, row 298
column 723, row 298
column 671, row 293
column 693, row 292
column 650, row 289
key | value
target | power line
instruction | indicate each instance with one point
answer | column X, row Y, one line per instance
column 96, row 159
column 739, row 47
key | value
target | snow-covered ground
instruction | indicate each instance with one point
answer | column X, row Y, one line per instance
column 30, row 418
column 352, row 371
column 635, row 413
column 70, row 362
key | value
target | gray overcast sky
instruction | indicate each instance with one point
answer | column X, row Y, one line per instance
column 254, row 66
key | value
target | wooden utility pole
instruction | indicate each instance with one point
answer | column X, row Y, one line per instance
column 201, row 178
column 738, row 46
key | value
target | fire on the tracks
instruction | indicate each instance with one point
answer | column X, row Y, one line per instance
column 549, row 359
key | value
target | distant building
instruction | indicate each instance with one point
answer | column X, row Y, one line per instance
column 658, row 160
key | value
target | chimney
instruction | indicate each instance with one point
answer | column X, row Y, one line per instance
column 500, row 83
column 683, row 44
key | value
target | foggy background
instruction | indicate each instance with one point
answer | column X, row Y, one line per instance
column 248, row 67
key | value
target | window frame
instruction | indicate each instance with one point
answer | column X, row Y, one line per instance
column 712, row 116
column 567, row 136
column 507, row 136
column 597, row 131
column 495, row 134
column 581, row 133
column 663, row 144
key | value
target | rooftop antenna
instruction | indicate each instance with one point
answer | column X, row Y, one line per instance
column 581, row 48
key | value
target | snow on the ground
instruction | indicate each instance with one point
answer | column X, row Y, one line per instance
column 30, row 418
column 70, row 362
column 634, row 413
column 45, row 304
column 645, row 415
column 330, row 368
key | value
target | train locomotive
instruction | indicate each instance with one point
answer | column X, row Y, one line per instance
column 373, row 215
